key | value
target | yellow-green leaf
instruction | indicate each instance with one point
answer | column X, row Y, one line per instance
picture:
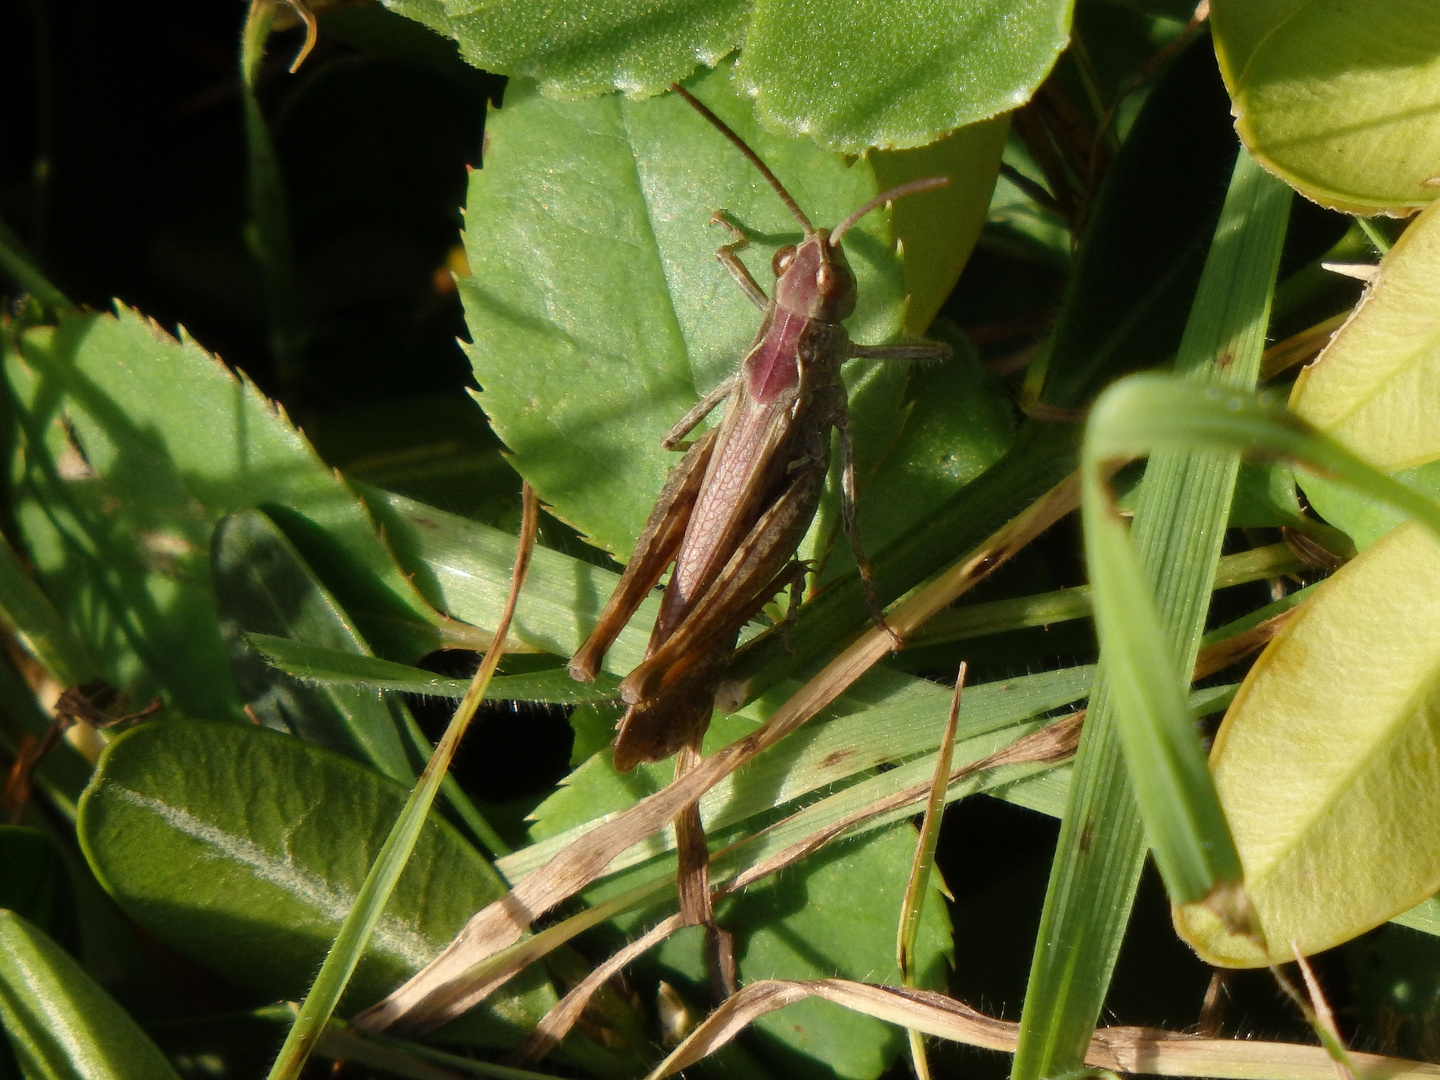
column 1376, row 387
column 1340, row 98
column 1326, row 764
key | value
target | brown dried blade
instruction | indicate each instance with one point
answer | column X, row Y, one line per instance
column 1120, row 1049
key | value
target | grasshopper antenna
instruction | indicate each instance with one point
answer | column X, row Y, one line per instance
column 744, row 147
column 914, row 186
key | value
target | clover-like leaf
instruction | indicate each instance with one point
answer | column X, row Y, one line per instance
column 1376, row 387
column 1340, row 98
column 1325, row 764
column 244, row 848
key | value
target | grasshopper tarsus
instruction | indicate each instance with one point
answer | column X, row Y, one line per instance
column 722, row 218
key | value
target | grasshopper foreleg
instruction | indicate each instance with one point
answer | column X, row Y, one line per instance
column 848, row 520
column 732, row 263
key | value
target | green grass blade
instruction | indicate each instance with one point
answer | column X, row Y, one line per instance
column 38, row 625
column 1179, row 521
column 1185, row 825
column 1150, row 412
column 318, row 664
column 379, row 884
column 17, row 262
column 1062, row 605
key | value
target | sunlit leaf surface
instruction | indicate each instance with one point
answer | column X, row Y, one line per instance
column 1325, row 764
column 1340, row 98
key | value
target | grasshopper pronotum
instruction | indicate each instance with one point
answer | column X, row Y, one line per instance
column 733, row 512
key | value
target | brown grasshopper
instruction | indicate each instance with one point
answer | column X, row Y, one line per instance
column 733, row 512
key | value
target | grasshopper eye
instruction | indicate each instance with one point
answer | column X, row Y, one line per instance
column 782, row 260
column 830, row 279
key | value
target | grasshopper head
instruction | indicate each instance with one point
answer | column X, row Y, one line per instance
column 814, row 280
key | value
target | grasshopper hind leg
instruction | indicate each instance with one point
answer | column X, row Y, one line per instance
column 851, row 525
column 659, row 725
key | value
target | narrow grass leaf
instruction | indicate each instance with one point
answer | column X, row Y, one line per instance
column 1185, row 825
column 1062, row 605
column 33, row 619
column 1179, row 522
column 318, row 664
column 359, row 924
column 929, row 833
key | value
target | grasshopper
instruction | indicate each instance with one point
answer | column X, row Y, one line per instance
column 733, row 512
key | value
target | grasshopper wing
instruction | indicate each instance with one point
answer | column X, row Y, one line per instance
column 655, row 550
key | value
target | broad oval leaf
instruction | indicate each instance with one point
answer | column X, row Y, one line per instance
column 244, row 849
column 871, row 73
column 1325, row 763
column 598, row 312
column 895, row 73
column 60, row 1023
column 1376, row 386
column 1339, row 98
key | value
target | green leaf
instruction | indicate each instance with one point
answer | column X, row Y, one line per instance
column 262, row 583
column 61, row 1024
column 263, row 586
column 1338, row 98
column 912, row 69
column 850, row 76
column 37, row 624
column 834, row 914
column 1324, row 761
column 1360, row 514
column 463, row 567
column 134, row 445
column 1164, row 760
column 939, row 232
column 598, row 312
column 317, row 664
column 1371, row 387
column 36, row 883
column 244, row 848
